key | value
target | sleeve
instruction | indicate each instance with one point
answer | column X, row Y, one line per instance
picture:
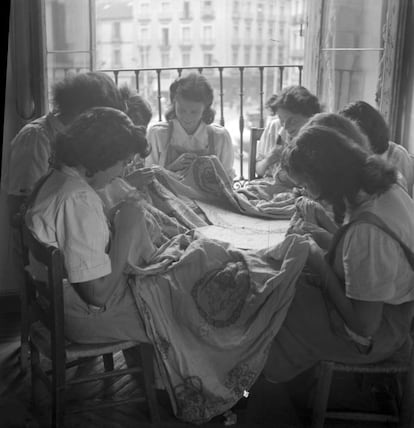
column 371, row 261
column 83, row 234
column 268, row 139
column 225, row 151
column 29, row 160
column 157, row 139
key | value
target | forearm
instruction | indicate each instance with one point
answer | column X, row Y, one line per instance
column 128, row 222
column 361, row 317
column 98, row 291
column 261, row 166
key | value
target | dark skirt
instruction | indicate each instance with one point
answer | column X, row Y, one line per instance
column 313, row 331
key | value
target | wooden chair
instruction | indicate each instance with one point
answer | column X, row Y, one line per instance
column 402, row 365
column 47, row 339
column 255, row 134
column 24, row 321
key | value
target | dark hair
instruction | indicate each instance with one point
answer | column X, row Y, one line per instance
column 79, row 92
column 342, row 124
column 137, row 108
column 296, row 99
column 371, row 122
column 192, row 87
column 339, row 166
column 98, row 138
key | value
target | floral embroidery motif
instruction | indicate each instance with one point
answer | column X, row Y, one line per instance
column 193, row 404
column 190, row 399
column 220, row 295
column 163, row 345
column 240, row 379
column 205, row 175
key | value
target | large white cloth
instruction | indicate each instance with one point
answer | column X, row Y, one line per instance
column 196, row 143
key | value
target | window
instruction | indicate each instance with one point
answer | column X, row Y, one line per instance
column 208, row 58
column 247, row 50
column 186, row 9
column 116, row 57
column 270, row 54
column 116, row 30
column 208, row 34
column 351, row 51
column 248, row 30
column 186, row 59
column 165, row 59
column 258, row 55
column 145, row 8
column 235, row 55
column 144, row 35
column 165, row 41
column 186, row 34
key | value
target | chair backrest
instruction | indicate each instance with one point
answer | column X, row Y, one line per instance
column 255, row 134
column 45, row 295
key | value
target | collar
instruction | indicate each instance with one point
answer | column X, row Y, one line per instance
column 181, row 133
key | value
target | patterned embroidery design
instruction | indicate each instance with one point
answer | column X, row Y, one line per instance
column 240, row 379
column 163, row 345
column 190, row 399
column 205, row 176
column 193, row 403
column 220, row 295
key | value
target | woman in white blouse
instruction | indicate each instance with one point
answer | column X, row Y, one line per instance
column 64, row 210
column 189, row 131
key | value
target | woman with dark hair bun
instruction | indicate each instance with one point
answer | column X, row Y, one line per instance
column 65, row 211
column 189, row 131
column 31, row 149
column 359, row 304
column 373, row 124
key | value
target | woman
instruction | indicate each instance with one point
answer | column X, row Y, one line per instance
column 190, row 131
column 31, row 149
column 65, row 211
column 373, row 124
column 360, row 308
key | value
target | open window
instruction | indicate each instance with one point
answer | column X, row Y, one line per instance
column 353, row 51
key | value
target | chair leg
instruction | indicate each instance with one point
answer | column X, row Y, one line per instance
column 34, row 363
column 147, row 358
column 322, row 394
column 24, row 332
column 407, row 406
column 58, row 397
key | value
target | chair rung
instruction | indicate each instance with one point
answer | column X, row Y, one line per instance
column 105, row 404
column 366, row 369
column 109, row 374
column 377, row 417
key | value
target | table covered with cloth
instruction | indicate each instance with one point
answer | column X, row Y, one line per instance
column 212, row 311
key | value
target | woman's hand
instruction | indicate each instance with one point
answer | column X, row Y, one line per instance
column 141, row 177
column 316, row 258
column 182, row 162
column 321, row 236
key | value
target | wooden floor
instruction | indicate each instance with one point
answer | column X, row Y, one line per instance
column 268, row 405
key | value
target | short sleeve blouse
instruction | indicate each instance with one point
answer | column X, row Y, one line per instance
column 371, row 263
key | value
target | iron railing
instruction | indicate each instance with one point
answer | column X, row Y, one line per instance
column 233, row 72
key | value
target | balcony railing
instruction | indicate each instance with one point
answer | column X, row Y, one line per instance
column 217, row 76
